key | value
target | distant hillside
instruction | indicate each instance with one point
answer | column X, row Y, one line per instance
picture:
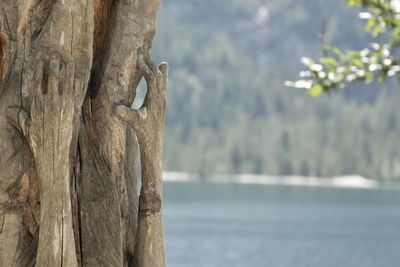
column 229, row 111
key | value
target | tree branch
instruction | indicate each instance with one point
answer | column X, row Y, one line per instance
column 148, row 123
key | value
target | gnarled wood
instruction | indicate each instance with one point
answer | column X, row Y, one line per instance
column 54, row 82
column 131, row 31
column 148, row 123
column 65, row 202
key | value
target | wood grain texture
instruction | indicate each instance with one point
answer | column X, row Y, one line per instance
column 69, row 164
column 149, row 123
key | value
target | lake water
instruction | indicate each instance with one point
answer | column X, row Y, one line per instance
column 231, row 225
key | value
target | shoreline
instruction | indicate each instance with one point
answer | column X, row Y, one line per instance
column 345, row 181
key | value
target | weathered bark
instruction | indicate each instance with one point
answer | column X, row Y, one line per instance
column 148, row 122
column 69, row 159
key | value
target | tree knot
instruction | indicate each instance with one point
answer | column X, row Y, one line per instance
column 150, row 202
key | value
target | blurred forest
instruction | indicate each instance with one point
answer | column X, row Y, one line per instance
column 228, row 108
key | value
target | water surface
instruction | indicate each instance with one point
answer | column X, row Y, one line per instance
column 232, row 225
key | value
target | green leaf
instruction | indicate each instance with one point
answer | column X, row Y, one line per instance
column 316, row 90
column 330, row 62
column 358, row 63
column 369, row 77
column 382, row 77
column 353, row 2
column 335, row 50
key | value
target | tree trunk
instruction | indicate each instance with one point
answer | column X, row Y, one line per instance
column 71, row 145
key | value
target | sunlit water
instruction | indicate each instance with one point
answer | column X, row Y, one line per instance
column 227, row 225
